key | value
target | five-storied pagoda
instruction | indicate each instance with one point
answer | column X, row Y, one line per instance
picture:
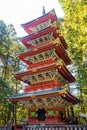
column 46, row 95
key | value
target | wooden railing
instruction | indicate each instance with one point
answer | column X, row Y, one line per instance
column 55, row 127
column 46, row 127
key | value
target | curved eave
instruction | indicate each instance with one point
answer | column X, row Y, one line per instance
column 38, row 34
column 60, row 66
column 50, row 15
column 58, row 48
column 57, row 93
column 66, row 74
column 35, row 71
column 37, row 50
column 63, row 42
column 25, row 40
column 69, row 97
column 39, row 94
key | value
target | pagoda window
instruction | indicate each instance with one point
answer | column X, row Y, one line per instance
column 48, row 76
column 51, row 112
column 36, row 42
column 54, row 55
column 57, row 59
column 41, row 57
column 35, row 59
column 32, row 41
column 30, row 60
column 42, row 26
column 34, row 79
column 37, row 28
column 46, row 55
column 49, row 36
column 51, row 74
column 40, row 77
column 47, row 23
column 45, row 37
column 33, row 113
column 40, row 39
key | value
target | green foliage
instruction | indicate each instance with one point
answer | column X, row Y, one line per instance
column 21, row 113
column 5, row 89
column 9, row 64
column 5, row 104
column 74, row 30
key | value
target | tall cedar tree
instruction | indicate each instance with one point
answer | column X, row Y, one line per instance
column 74, row 30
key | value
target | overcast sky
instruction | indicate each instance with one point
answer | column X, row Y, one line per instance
column 21, row 11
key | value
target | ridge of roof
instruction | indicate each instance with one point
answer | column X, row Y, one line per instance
column 38, row 18
column 36, row 93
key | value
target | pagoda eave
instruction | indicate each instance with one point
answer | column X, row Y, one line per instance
column 35, row 35
column 66, row 74
column 50, row 15
column 60, row 66
column 25, row 40
column 58, row 49
column 71, row 98
column 60, row 96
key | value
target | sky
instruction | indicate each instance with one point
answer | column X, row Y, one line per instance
column 18, row 12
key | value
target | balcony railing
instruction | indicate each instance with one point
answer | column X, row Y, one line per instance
column 45, row 127
column 56, row 127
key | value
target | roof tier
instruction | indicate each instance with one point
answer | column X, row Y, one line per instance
column 29, row 26
column 56, row 97
column 52, row 47
column 42, row 37
column 59, row 67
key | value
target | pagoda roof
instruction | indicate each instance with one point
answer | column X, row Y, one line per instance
column 51, row 29
column 47, row 46
column 60, row 66
column 50, row 15
column 40, row 48
column 36, row 93
column 37, row 34
column 55, row 95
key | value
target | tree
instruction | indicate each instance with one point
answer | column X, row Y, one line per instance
column 5, row 104
column 74, row 30
column 9, row 64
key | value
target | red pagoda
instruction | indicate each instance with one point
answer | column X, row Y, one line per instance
column 46, row 95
